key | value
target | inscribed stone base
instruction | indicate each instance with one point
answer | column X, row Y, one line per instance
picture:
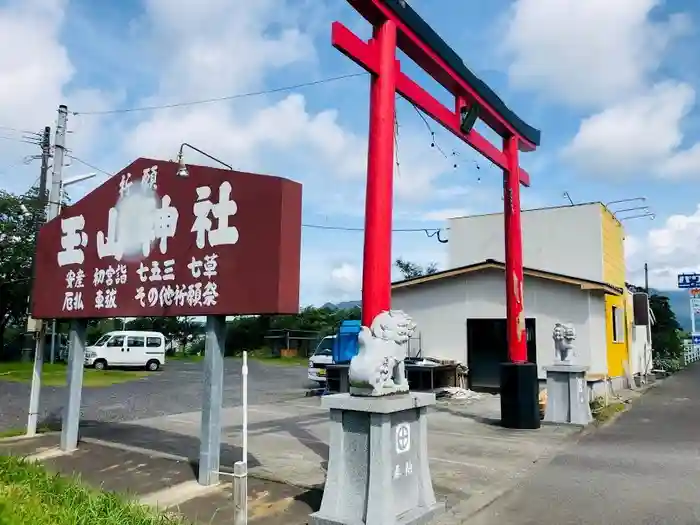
column 567, row 395
column 378, row 471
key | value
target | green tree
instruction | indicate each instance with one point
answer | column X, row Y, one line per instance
column 18, row 220
column 411, row 270
column 665, row 334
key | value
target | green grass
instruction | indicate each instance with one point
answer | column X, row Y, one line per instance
column 265, row 356
column 13, row 432
column 183, row 357
column 602, row 413
column 29, row 495
column 16, row 432
column 55, row 375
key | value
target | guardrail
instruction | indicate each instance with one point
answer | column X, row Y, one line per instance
column 691, row 353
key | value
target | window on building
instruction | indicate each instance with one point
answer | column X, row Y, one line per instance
column 618, row 325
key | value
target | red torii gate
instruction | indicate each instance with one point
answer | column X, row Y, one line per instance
column 397, row 25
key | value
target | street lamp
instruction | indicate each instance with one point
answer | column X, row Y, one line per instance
column 183, row 171
column 70, row 181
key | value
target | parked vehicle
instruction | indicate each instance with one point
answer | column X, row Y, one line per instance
column 322, row 357
column 127, row 348
column 334, row 349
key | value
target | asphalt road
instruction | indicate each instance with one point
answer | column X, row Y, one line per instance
column 175, row 389
column 644, row 469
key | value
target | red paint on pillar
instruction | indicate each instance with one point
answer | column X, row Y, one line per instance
column 517, row 341
column 376, row 268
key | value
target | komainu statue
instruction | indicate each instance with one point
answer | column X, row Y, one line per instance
column 378, row 368
column 564, row 336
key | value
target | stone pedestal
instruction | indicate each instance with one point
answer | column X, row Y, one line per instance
column 567, row 395
column 378, row 472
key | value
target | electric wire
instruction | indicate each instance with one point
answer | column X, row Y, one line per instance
column 430, row 232
column 89, row 165
column 222, row 99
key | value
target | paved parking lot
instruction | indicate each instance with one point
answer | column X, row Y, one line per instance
column 472, row 458
column 177, row 388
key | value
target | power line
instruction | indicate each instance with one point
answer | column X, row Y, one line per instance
column 348, row 229
column 222, row 99
column 10, row 128
column 24, row 141
column 430, row 232
column 89, row 165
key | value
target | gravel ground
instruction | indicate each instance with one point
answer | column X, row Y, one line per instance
column 175, row 389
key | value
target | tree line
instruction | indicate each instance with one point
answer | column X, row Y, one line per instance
column 18, row 222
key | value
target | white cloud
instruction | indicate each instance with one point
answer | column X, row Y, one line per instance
column 35, row 66
column 344, row 282
column 669, row 250
column 642, row 133
column 37, row 72
column 444, row 214
column 590, row 53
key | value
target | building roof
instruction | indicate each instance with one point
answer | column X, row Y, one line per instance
column 492, row 264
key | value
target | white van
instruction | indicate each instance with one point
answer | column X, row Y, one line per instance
column 323, row 356
column 127, row 349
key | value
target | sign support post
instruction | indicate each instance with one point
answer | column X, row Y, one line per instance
column 76, row 362
column 210, row 441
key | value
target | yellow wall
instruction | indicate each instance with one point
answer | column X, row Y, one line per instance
column 613, row 237
column 613, row 250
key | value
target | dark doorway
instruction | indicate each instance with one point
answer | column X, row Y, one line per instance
column 487, row 348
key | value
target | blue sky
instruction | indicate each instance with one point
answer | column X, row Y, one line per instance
column 612, row 86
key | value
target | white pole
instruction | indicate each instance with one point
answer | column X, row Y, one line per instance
column 692, row 316
column 244, row 374
column 240, row 469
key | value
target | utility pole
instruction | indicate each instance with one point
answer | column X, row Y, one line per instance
column 646, row 278
column 59, row 152
column 54, row 207
column 39, row 220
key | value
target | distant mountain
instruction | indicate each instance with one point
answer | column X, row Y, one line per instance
column 343, row 305
column 679, row 301
column 680, row 304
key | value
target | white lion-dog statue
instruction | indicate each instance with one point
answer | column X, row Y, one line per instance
column 378, row 368
column 564, row 336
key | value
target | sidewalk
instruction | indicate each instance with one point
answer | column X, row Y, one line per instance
column 643, row 469
column 168, row 483
column 472, row 458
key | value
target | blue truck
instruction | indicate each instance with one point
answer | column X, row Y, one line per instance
column 336, row 349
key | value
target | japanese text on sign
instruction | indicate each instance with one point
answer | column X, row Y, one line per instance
column 139, row 219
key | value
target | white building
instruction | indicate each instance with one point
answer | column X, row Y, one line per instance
column 575, row 273
column 460, row 315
